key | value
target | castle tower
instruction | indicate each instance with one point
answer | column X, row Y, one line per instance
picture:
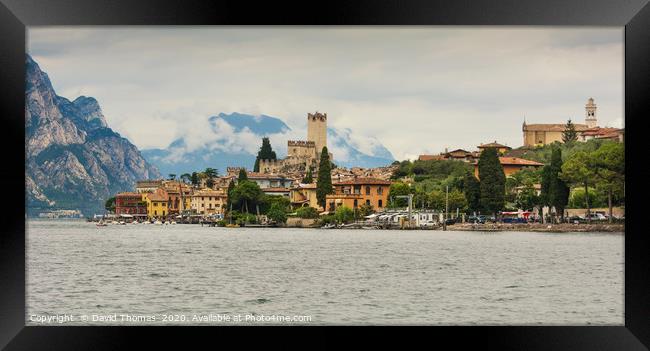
column 590, row 114
column 317, row 129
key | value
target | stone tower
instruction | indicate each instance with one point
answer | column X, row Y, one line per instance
column 317, row 129
column 590, row 114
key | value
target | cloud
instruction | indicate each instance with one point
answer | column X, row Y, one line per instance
column 415, row 89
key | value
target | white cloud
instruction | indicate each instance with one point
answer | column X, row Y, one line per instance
column 415, row 89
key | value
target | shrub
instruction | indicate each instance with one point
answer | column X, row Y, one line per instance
column 307, row 212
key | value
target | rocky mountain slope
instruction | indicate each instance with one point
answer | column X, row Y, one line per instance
column 73, row 159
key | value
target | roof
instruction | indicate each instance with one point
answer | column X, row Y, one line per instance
column 128, row 194
column 209, row 192
column 494, row 144
column 275, row 190
column 601, row 132
column 363, row 181
column 557, row 127
column 516, row 161
column 306, row 186
column 156, row 196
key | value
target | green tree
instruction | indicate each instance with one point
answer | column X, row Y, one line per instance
column 109, row 205
column 242, row 175
column 246, row 195
column 578, row 169
column 308, row 179
column 366, row 210
column 231, row 187
column 398, row 189
column 307, row 212
column 324, row 185
column 527, row 198
column 265, row 153
column 267, row 201
column 609, row 170
column 569, row 134
column 172, row 176
column 559, row 191
column 195, row 178
column 472, row 189
column 492, row 181
column 344, row 214
column 186, row 178
column 210, row 174
column 277, row 214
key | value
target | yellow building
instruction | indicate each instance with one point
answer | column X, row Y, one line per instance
column 208, row 201
column 304, row 195
column 157, row 203
column 357, row 192
column 543, row 134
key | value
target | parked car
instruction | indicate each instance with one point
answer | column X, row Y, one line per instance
column 450, row 221
column 476, row 219
column 513, row 220
column 574, row 219
column 596, row 217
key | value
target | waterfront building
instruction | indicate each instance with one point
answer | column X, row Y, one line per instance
column 208, row 201
column 130, row 203
column 148, row 186
column 304, row 195
column 512, row 165
column 178, row 196
column 157, row 203
column 544, row 134
column 356, row 192
column 277, row 191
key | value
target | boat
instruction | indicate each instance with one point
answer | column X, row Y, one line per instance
column 173, row 222
column 329, row 226
column 101, row 224
column 158, row 222
column 232, row 225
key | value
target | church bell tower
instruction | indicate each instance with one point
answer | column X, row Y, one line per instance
column 590, row 114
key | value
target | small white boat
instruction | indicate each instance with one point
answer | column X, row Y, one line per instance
column 101, row 224
column 173, row 222
column 158, row 222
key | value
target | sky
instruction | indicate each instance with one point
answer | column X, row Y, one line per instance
column 416, row 90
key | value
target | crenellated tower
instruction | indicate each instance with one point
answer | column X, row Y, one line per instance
column 317, row 129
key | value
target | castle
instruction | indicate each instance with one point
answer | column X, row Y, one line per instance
column 302, row 154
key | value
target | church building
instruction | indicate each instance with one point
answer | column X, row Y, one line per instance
column 543, row 134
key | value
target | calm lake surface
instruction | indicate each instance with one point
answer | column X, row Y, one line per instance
column 191, row 275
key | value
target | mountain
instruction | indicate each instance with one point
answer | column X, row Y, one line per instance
column 235, row 138
column 73, row 159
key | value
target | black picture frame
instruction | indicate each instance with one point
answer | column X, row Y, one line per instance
column 15, row 15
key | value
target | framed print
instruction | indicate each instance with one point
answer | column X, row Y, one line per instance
column 459, row 168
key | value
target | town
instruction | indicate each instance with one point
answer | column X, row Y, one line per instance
column 566, row 173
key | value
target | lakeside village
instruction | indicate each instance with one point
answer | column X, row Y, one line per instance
column 565, row 177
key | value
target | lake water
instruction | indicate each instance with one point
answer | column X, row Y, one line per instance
column 188, row 274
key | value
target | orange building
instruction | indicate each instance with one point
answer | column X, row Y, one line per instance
column 512, row 165
column 356, row 192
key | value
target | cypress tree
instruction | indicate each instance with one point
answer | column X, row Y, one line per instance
column 569, row 135
column 231, row 186
column 559, row 191
column 308, row 178
column 242, row 175
column 492, row 181
column 324, row 185
column 265, row 153
column 472, row 190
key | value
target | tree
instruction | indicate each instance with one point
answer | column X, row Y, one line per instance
column 172, row 176
column 186, row 178
column 527, row 198
column 398, row 189
column 242, row 175
column 559, row 191
column 277, row 214
column 578, row 169
column 265, row 153
column 308, row 179
column 246, row 195
column 609, row 169
column 195, row 178
column 569, row 134
column 210, row 174
column 324, row 185
column 109, row 205
column 231, row 187
column 307, row 212
column 344, row 214
column 472, row 189
column 267, row 201
column 492, row 181
column 366, row 210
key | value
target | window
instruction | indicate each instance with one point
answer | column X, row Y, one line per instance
column 368, row 202
column 357, row 189
column 380, row 190
column 367, row 190
column 379, row 204
column 356, row 203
